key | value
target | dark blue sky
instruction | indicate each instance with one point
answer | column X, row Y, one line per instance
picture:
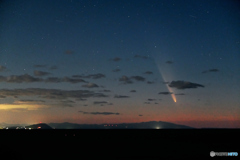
column 61, row 57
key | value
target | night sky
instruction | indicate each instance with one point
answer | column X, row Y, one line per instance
column 105, row 61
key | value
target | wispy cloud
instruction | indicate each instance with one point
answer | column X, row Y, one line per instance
column 140, row 56
column 30, row 101
column 41, row 73
column 169, row 62
column 105, row 90
column 100, row 113
column 150, row 82
column 148, row 72
column 81, row 99
column 51, row 93
column 133, row 91
column 116, row 59
column 121, row 96
column 138, row 78
column 93, row 76
column 90, row 85
column 26, row 78
column 53, row 80
column 184, row 85
column 100, row 102
column 210, row 70
column 165, row 93
column 150, row 99
column 73, row 80
column 180, row 94
column 53, row 67
column 116, row 70
column 125, row 80
column 20, row 79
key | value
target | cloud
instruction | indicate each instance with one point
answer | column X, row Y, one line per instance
column 140, row 115
column 30, row 101
column 56, row 94
column 139, row 56
column 184, row 85
column 125, row 80
column 100, row 102
column 165, row 93
column 41, row 73
column 80, row 99
column 2, row 68
column 53, row 80
column 20, row 79
column 180, row 94
column 90, row 85
column 69, row 52
column 133, row 91
column 169, row 62
column 138, row 78
column 165, row 82
column 147, row 103
column 105, row 90
column 1, row 96
column 116, row 59
column 116, row 70
column 68, row 101
column 150, row 82
column 120, row 96
column 53, row 67
column 72, row 80
column 93, row 76
column 148, row 72
column 29, row 79
column 211, row 70
column 150, row 99
column 100, row 113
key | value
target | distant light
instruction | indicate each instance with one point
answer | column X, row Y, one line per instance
column 158, row 127
column 30, row 128
column 38, row 127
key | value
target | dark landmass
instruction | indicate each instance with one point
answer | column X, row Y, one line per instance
column 39, row 126
column 142, row 125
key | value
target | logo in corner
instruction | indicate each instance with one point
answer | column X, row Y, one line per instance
column 212, row 154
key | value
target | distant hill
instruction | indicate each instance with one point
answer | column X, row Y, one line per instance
column 142, row 125
column 39, row 126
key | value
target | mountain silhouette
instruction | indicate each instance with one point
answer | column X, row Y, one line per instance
column 39, row 126
column 142, row 125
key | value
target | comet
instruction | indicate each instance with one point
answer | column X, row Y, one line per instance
column 165, row 80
